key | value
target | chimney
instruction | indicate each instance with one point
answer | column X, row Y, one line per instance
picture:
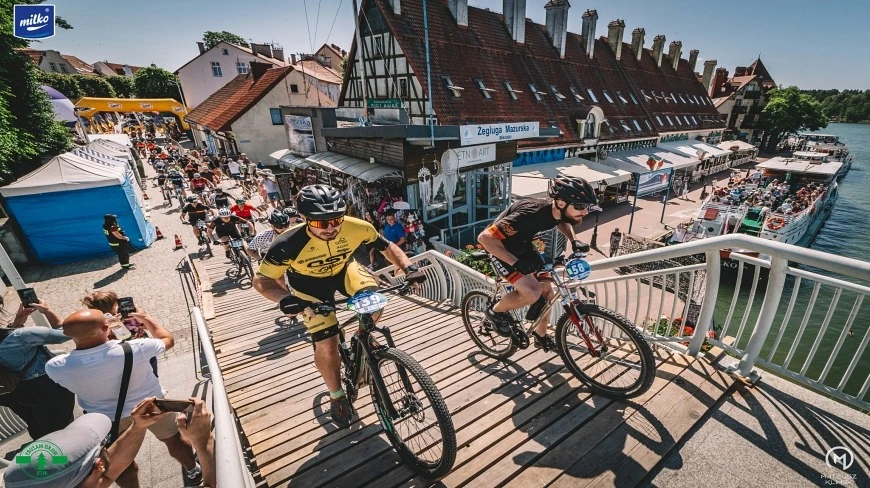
column 590, row 18
column 718, row 82
column 658, row 48
column 397, row 6
column 201, row 46
column 709, row 66
column 459, row 9
column 557, row 23
column 740, row 71
column 637, row 36
column 693, row 59
column 278, row 53
column 674, row 52
column 615, row 32
column 258, row 69
column 515, row 19
column 293, row 58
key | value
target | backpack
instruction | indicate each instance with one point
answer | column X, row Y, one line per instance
column 9, row 379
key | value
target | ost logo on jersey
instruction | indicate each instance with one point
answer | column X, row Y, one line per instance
column 506, row 228
column 327, row 262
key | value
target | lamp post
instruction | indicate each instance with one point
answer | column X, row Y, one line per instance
column 602, row 186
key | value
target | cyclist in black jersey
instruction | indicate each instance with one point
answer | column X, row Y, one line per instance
column 509, row 243
column 226, row 226
column 220, row 199
column 195, row 212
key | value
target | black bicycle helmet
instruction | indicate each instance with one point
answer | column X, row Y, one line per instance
column 572, row 190
column 321, row 202
column 279, row 219
column 291, row 212
column 190, row 199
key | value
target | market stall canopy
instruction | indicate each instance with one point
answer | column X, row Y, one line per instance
column 65, row 172
column 533, row 181
column 277, row 155
column 679, row 161
column 358, row 168
column 739, row 145
column 290, row 161
column 121, row 139
column 695, row 150
column 636, row 160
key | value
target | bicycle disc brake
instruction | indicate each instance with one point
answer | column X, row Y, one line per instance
column 519, row 336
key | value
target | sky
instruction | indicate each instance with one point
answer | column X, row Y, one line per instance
column 811, row 44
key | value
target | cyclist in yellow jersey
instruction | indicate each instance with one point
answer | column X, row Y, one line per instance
column 317, row 257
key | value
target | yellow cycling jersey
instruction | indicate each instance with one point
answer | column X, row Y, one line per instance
column 298, row 252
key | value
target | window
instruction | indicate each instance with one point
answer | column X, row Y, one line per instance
column 625, row 126
column 695, row 119
column 294, row 88
column 327, row 60
column 645, row 95
column 216, row 69
column 636, row 125
column 683, row 99
column 607, row 96
column 633, row 98
column 535, row 93
column 456, row 91
column 665, row 97
column 242, row 67
column 621, row 98
column 226, row 52
column 63, row 68
column 486, row 92
column 668, row 118
column 379, row 45
column 403, row 88
column 677, row 118
column 589, row 129
column 687, row 119
column 650, row 125
column 576, row 94
column 609, row 127
column 559, row 96
column 53, row 67
column 276, row 116
column 659, row 120
column 511, row 91
column 592, row 96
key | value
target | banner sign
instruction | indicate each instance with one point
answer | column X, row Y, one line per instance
column 300, row 137
column 652, row 182
column 384, row 103
column 33, row 21
column 481, row 134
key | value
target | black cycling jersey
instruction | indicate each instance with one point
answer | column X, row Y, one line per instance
column 221, row 201
column 177, row 179
column 226, row 227
column 195, row 212
column 520, row 222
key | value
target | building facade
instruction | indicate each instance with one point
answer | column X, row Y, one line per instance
column 105, row 68
column 52, row 61
column 742, row 98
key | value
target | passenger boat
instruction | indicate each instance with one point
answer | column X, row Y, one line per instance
column 827, row 144
column 789, row 203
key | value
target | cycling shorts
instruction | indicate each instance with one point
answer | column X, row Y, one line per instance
column 508, row 272
column 177, row 184
column 351, row 280
column 231, row 232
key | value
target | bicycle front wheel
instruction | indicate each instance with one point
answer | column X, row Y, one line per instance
column 483, row 333
column 421, row 429
column 246, row 264
column 610, row 355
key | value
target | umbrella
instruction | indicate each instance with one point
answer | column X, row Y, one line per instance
column 63, row 108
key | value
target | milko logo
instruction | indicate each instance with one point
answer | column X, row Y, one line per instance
column 41, row 460
column 33, row 21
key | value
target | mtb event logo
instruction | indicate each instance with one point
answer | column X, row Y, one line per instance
column 41, row 460
column 839, row 457
column 33, row 21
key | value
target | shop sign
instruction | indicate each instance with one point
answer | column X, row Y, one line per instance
column 384, row 103
column 484, row 133
column 674, row 138
column 300, row 137
column 653, row 181
column 622, row 197
column 471, row 156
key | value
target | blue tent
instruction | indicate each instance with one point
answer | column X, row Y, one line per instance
column 60, row 208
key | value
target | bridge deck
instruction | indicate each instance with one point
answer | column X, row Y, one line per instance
column 527, row 421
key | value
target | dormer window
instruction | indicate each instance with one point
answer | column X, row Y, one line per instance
column 683, row 99
column 668, row 118
column 687, row 119
column 659, row 120
column 559, row 96
column 589, row 127
column 511, row 91
column 624, row 126
column 621, row 98
column 636, row 125
column 648, row 124
column 607, row 96
column 576, row 93
column 646, row 96
column 486, row 92
column 592, row 96
column 633, row 98
column 535, row 92
column 456, row 91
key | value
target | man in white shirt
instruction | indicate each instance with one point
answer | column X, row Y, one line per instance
column 270, row 188
column 93, row 371
column 235, row 170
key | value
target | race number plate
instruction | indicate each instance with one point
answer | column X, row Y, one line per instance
column 244, row 225
column 237, row 243
column 367, row 302
column 578, row 269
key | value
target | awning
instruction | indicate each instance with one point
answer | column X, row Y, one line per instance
column 693, row 149
column 277, row 155
column 290, row 161
column 533, row 180
column 679, row 161
column 355, row 167
column 740, row 145
column 635, row 161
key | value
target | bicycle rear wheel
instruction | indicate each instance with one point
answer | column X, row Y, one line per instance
column 422, row 432
column 483, row 333
column 620, row 363
column 246, row 264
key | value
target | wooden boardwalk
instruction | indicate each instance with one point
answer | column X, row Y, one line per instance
column 526, row 422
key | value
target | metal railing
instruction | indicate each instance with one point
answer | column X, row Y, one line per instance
column 818, row 340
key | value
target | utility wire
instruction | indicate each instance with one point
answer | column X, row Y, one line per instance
column 333, row 21
column 316, row 24
column 310, row 43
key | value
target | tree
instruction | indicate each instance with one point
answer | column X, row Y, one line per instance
column 123, row 85
column 65, row 84
column 212, row 38
column 154, row 82
column 342, row 65
column 29, row 132
column 789, row 111
column 95, row 86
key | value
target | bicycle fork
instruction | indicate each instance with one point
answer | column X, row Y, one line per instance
column 586, row 328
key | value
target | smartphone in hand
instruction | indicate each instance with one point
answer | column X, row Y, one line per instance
column 27, row 296
column 173, row 405
column 126, row 306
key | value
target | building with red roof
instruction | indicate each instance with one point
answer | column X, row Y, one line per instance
column 742, row 98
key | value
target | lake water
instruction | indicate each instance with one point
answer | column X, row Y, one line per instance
column 846, row 233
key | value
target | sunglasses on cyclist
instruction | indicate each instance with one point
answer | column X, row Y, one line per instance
column 325, row 224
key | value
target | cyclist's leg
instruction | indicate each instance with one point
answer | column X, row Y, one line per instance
column 526, row 288
column 547, row 292
column 324, row 333
column 356, row 279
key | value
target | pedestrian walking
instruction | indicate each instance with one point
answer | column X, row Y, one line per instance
column 686, row 191
column 118, row 241
column 615, row 239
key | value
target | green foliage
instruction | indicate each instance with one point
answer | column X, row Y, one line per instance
column 65, row 84
column 482, row 265
column 95, row 86
column 154, row 82
column 212, row 38
column 342, row 65
column 848, row 105
column 789, row 111
column 123, row 85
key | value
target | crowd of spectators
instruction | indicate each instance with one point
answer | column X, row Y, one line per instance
column 774, row 196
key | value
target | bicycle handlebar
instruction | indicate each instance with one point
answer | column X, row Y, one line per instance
column 292, row 305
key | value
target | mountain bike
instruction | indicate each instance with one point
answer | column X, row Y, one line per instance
column 240, row 258
column 247, row 233
column 204, row 240
column 599, row 346
column 407, row 402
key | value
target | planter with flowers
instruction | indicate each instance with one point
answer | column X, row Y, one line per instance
column 671, row 328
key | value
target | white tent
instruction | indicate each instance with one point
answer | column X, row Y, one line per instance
column 533, row 179
column 121, row 139
column 110, row 148
column 98, row 157
column 63, row 173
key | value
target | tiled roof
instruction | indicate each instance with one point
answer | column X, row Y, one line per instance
column 79, row 65
column 226, row 105
column 757, row 68
column 34, row 54
column 272, row 61
column 485, row 51
column 333, row 48
column 119, row 68
column 314, row 69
